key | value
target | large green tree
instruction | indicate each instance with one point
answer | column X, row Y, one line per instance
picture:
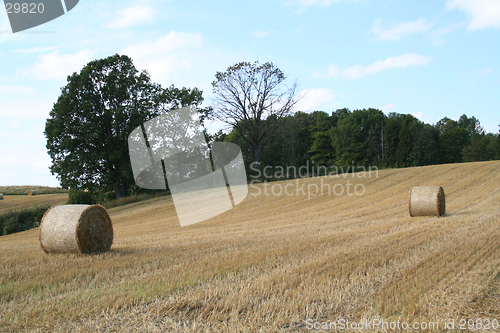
column 87, row 131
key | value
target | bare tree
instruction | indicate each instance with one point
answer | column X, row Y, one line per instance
column 252, row 98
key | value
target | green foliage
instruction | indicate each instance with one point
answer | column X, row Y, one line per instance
column 425, row 145
column 16, row 221
column 322, row 149
column 369, row 138
column 463, row 140
column 80, row 197
column 481, row 148
column 357, row 137
column 89, row 124
column 403, row 157
column 87, row 131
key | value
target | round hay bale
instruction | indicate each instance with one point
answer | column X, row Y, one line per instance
column 1, row 196
column 427, row 201
column 76, row 229
column 31, row 192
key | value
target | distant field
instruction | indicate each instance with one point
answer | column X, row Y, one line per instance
column 274, row 262
column 22, row 190
column 17, row 202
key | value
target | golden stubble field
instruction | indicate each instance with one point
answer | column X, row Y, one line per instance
column 17, row 202
column 274, row 262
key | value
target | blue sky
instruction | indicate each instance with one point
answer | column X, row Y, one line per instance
column 427, row 58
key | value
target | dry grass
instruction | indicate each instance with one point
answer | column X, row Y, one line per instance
column 128, row 200
column 273, row 262
column 22, row 190
column 18, row 202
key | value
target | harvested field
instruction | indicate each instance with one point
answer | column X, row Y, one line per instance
column 22, row 190
column 274, row 261
column 17, row 202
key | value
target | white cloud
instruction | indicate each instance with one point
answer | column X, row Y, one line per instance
column 437, row 35
column 482, row 13
column 55, row 66
column 260, row 34
column 359, row 71
column 173, row 41
column 131, row 16
column 314, row 99
column 165, row 55
column 397, row 31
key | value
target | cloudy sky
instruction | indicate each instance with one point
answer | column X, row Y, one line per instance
column 427, row 58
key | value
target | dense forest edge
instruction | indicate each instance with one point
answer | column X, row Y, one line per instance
column 365, row 138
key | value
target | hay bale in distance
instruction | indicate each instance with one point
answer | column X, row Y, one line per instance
column 427, row 201
column 31, row 192
column 1, row 196
column 76, row 229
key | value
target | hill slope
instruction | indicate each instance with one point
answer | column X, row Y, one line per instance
column 17, row 202
column 274, row 261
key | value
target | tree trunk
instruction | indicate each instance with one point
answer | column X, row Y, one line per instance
column 120, row 190
column 255, row 153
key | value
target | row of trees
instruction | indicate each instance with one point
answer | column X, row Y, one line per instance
column 368, row 137
column 88, row 128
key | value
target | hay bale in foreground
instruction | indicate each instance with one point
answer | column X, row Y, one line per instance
column 1, row 196
column 76, row 229
column 427, row 201
column 31, row 192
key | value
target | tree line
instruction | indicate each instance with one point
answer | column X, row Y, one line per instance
column 367, row 138
column 88, row 127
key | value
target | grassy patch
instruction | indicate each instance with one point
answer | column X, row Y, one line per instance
column 16, row 221
column 128, row 200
